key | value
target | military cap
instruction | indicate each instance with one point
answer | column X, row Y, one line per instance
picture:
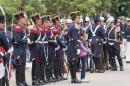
column 43, row 18
column 78, row 13
column 48, row 17
column 73, row 15
column 55, row 18
column 20, row 15
column 36, row 17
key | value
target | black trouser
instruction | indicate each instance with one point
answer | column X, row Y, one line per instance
column 42, row 71
column 0, row 82
column 35, row 71
column 97, row 51
column 114, row 50
column 5, row 81
column 20, row 73
column 49, row 68
column 97, row 62
column 58, row 67
column 73, row 68
column 78, row 64
column 104, row 58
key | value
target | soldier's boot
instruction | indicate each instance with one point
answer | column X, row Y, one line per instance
column 58, row 78
column 35, row 82
column 25, row 84
column 99, row 71
column 121, row 64
column 75, row 81
column 51, row 79
column 46, row 80
column 63, row 78
column 41, row 82
column 121, row 68
column 114, row 68
column 19, row 84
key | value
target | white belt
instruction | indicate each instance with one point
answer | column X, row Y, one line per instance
column 44, row 42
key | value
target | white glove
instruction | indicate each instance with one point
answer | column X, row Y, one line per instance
column 78, row 51
column 18, row 58
column 64, row 49
column 57, row 48
column 10, row 50
column 28, row 41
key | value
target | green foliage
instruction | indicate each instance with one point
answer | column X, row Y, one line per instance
column 62, row 7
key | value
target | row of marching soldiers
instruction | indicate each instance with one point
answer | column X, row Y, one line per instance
column 49, row 40
column 46, row 44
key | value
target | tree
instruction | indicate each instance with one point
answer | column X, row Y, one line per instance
column 61, row 7
column 12, row 7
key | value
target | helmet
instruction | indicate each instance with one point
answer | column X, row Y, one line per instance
column 96, row 18
column 110, row 20
column 87, row 18
column 69, row 21
column 102, row 18
column 63, row 21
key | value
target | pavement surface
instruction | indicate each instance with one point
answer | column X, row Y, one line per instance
column 109, row 78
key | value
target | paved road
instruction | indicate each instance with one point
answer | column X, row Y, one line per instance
column 109, row 78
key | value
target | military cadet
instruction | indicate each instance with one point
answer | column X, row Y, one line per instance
column 121, row 22
column 58, row 33
column 96, row 35
column 51, row 49
column 114, row 40
column 58, row 55
column 47, row 33
column 43, row 50
column 20, row 43
column 127, row 32
column 35, row 36
column 86, row 23
column 73, row 46
column 104, row 64
column 4, row 46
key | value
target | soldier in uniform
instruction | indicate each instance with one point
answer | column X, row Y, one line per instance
column 127, row 32
column 86, row 23
column 96, row 35
column 20, row 43
column 114, row 40
column 4, row 46
column 43, row 49
column 104, row 64
column 35, row 36
column 123, row 26
column 58, row 70
column 73, row 46
column 51, row 49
